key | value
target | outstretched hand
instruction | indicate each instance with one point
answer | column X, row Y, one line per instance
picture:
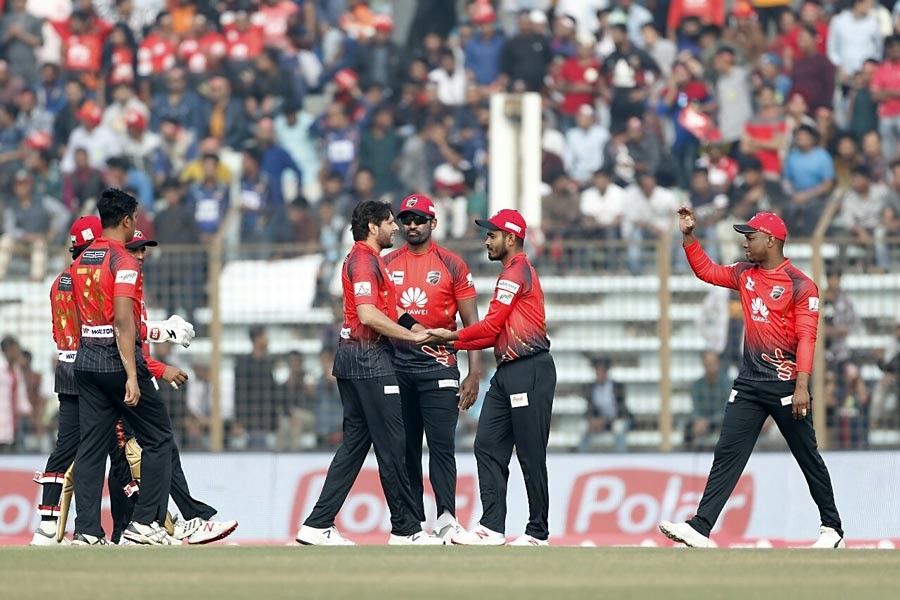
column 441, row 335
column 686, row 220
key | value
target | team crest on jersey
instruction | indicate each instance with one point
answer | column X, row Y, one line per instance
column 777, row 292
column 397, row 277
column 93, row 257
column 433, row 277
column 412, row 202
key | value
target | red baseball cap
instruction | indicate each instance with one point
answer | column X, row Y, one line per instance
column 136, row 118
column 85, row 230
column 508, row 220
column 417, row 203
column 139, row 241
column 383, row 22
column 766, row 222
column 743, row 10
column 90, row 112
column 346, row 79
column 39, row 140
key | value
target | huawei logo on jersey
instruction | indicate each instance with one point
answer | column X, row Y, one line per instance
column 760, row 311
column 414, row 297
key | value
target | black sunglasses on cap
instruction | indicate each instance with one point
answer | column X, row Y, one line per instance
column 414, row 219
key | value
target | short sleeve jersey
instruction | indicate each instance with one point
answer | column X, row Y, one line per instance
column 781, row 314
column 516, row 323
column 362, row 352
column 429, row 286
column 65, row 333
column 103, row 272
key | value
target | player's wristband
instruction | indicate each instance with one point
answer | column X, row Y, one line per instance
column 407, row 321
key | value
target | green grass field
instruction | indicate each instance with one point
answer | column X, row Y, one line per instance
column 256, row 573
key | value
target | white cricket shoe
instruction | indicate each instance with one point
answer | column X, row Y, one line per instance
column 151, row 535
column 209, row 531
column 528, row 540
column 683, row 533
column 829, row 538
column 85, row 539
column 417, row 539
column 450, row 532
column 185, row 528
column 312, row 536
column 45, row 535
column 480, row 536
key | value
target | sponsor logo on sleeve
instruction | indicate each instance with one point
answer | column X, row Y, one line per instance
column 469, row 280
column 127, row 276
column 814, row 304
column 433, row 277
column 362, row 288
column 505, row 297
column 750, row 283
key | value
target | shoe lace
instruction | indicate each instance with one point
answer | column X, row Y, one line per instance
column 192, row 525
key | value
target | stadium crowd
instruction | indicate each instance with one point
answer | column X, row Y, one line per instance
column 286, row 113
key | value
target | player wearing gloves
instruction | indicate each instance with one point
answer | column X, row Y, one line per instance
column 197, row 525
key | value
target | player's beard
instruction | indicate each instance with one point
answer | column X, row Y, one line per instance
column 385, row 239
column 419, row 237
column 498, row 254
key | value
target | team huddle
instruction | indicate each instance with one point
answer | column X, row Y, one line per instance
column 398, row 377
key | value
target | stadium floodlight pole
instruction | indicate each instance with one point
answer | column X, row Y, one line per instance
column 515, row 154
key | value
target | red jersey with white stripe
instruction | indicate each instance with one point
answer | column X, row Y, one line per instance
column 156, row 55
column 781, row 314
column 103, row 272
column 65, row 333
column 362, row 352
column 515, row 324
column 429, row 286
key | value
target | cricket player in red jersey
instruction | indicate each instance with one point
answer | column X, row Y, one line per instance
column 370, row 394
column 65, row 333
column 781, row 315
column 106, row 283
column 434, row 284
column 518, row 405
column 198, row 524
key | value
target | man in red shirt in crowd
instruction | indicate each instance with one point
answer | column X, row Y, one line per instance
column 579, row 80
column 106, row 284
column 519, row 403
column 434, row 284
column 370, row 392
column 710, row 12
column 781, row 315
column 82, row 36
column 886, row 91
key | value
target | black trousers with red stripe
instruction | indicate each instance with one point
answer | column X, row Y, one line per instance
column 516, row 413
column 750, row 404
column 431, row 407
column 101, row 397
column 372, row 417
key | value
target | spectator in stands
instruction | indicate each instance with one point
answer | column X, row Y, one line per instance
column 272, row 85
column 636, row 16
column 809, row 176
column 120, row 173
column 662, row 50
column 585, row 145
column 483, row 51
column 449, row 79
column 526, row 57
column 685, row 100
column 13, row 390
column 380, row 59
column 649, row 215
column 223, row 117
column 708, row 396
column 20, row 36
column 873, row 156
column 256, row 404
column 139, row 146
column 82, row 187
column 451, row 204
column 32, row 118
column 276, row 162
column 41, row 163
column 578, row 81
column 562, row 42
column 846, row 158
column 27, row 223
column 764, row 132
column 862, row 108
column 813, row 72
column 628, row 70
column 99, row 141
column 885, row 88
column 770, row 70
column 709, row 208
column 209, row 199
column 607, row 410
column 340, row 141
column 199, row 408
column 744, row 33
column 258, row 213
column 51, row 90
column 181, row 272
column 862, row 210
column 891, row 214
column 723, row 170
column 839, row 314
column 561, row 220
column 297, row 396
column 847, row 401
column 378, row 150
column 415, row 172
column 177, row 103
column 124, row 101
column 643, row 147
column 603, row 207
column 10, row 144
column 732, row 95
column 293, row 134
column 853, row 36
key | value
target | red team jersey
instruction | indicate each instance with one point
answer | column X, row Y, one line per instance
column 781, row 314
column 362, row 352
column 429, row 285
column 515, row 324
column 65, row 333
column 156, row 367
column 103, row 272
